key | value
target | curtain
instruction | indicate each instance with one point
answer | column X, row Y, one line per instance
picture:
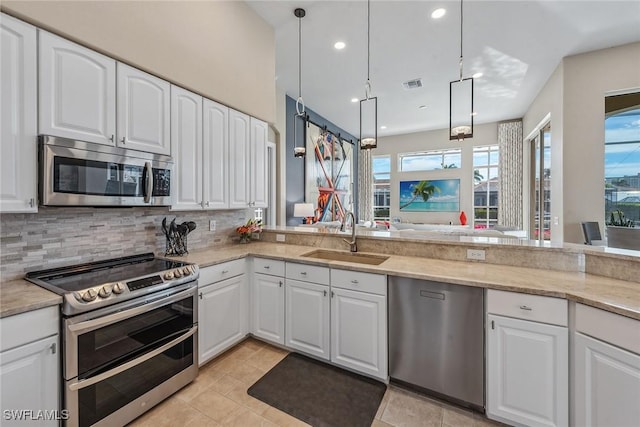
column 365, row 185
column 510, row 197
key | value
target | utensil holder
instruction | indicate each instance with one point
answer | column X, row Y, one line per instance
column 176, row 244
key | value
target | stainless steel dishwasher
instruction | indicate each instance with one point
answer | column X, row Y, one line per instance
column 436, row 339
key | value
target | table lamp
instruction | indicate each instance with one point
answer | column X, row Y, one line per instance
column 304, row 210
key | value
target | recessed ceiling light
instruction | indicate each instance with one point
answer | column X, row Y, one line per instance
column 477, row 75
column 383, row 127
column 354, row 100
column 422, row 107
column 339, row 45
column 438, row 13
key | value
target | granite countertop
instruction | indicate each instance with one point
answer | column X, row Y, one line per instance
column 617, row 296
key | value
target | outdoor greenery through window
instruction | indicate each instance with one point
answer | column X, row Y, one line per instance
column 430, row 160
column 485, row 189
column 381, row 187
column 622, row 161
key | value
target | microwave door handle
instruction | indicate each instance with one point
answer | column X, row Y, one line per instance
column 148, row 182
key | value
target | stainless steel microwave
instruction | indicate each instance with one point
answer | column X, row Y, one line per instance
column 78, row 173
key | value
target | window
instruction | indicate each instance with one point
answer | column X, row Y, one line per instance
column 485, row 192
column 381, row 187
column 622, row 163
column 430, row 160
column 540, row 185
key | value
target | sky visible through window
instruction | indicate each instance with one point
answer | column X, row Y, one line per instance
column 622, row 159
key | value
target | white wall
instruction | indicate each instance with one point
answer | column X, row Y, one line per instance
column 574, row 97
column 220, row 49
column 484, row 134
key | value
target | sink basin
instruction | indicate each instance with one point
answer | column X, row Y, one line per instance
column 345, row 256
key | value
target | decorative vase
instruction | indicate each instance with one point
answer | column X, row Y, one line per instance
column 463, row 218
column 245, row 238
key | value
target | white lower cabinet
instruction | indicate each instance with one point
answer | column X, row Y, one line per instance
column 30, row 368
column 267, row 300
column 307, row 318
column 606, row 374
column 222, row 311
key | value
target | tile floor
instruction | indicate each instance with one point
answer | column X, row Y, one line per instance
column 218, row 397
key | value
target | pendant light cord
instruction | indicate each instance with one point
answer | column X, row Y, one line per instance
column 367, row 86
column 299, row 57
column 461, row 22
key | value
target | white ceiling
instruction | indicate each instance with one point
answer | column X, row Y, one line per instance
column 515, row 44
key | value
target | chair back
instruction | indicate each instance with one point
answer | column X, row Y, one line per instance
column 591, row 231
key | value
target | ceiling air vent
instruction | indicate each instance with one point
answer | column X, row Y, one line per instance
column 413, row 84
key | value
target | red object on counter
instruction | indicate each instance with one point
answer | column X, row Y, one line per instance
column 463, row 218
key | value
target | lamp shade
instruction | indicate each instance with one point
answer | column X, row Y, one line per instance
column 303, row 210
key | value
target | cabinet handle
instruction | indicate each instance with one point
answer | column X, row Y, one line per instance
column 524, row 307
column 123, row 140
column 225, row 271
column 280, row 282
column 325, row 293
column 332, row 294
column 208, row 204
column 493, row 324
column 200, row 295
column 53, row 348
column 354, row 281
column 303, row 273
column 112, row 138
column 266, row 267
column 31, row 202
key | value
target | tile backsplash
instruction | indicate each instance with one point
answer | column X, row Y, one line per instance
column 63, row 236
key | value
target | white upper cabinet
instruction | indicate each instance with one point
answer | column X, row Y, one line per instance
column 143, row 111
column 77, row 91
column 215, row 178
column 239, row 150
column 186, row 146
column 18, row 127
column 258, row 169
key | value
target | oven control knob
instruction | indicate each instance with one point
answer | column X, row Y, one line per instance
column 90, row 295
column 177, row 273
column 168, row 275
column 118, row 288
column 186, row 271
column 105, row 291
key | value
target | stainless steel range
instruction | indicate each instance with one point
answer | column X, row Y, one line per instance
column 129, row 330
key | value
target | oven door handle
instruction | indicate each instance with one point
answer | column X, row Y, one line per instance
column 149, row 304
column 117, row 370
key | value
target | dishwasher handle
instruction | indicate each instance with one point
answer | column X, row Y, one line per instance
column 431, row 294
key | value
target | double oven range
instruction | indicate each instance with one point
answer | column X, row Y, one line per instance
column 129, row 334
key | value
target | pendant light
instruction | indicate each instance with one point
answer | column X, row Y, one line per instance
column 369, row 105
column 461, row 101
column 299, row 150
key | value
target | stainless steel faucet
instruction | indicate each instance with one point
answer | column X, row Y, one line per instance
column 353, row 247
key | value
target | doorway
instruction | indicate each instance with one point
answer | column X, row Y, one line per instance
column 540, row 185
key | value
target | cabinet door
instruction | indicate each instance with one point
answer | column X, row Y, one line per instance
column 527, row 372
column 216, row 156
column 359, row 331
column 607, row 384
column 143, row 111
column 186, row 146
column 307, row 318
column 29, row 380
column 18, row 127
column 268, row 307
column 259, row 178
column 77, row 91
column 222, row 316
column 239, row 174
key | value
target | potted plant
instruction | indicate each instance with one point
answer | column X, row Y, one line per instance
column 246, row 231
column 621, row 232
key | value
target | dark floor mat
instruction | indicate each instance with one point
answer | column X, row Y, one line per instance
column 319, row 394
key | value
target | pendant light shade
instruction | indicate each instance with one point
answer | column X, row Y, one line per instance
column 299, row 149
column 369, row 105
column 461, row 101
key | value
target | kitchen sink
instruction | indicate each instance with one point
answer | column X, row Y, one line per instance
column 346, row 256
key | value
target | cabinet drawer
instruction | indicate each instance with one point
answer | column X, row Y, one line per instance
column 272, row 267
column 24, row 328
column 610, row 327
column 528, row 307
column 308, row 273
column 358, row 281
column 218, row 272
